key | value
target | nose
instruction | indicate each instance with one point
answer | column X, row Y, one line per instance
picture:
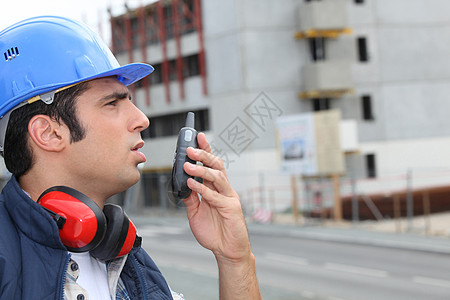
column 139, row 120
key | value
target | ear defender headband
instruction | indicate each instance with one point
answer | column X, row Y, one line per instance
column 83, row 226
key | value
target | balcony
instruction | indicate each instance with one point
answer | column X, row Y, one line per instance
column 327, row 18
column 326, row 79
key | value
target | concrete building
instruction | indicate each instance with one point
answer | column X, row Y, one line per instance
column 385, row 65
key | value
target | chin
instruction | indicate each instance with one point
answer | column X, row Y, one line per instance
column 133, row 179
column 124, row 182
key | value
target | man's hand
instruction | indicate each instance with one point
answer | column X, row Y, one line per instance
column 218, row 224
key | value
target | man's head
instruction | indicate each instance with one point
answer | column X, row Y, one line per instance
column 88, row 138
column 44, row 55
column 50, row 69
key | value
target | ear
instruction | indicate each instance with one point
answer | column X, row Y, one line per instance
column 46, row 133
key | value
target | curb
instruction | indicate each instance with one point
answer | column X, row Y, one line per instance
column 347, row 234
column 405, row 241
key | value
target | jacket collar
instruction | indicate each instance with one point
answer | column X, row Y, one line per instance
column 30, row 217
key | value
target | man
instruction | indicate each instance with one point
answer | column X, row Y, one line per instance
column 67, row 121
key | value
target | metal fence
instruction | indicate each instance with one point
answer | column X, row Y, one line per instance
column 407, row 194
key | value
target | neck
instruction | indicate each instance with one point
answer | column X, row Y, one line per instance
column 35, row 183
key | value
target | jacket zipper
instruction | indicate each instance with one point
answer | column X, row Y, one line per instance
column 66, row 265
column 139, row 273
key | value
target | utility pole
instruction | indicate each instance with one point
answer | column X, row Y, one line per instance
column 409, row 200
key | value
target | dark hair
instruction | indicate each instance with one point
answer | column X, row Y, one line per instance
column 18, row 155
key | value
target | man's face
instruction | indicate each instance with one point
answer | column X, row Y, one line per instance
column 105, row 161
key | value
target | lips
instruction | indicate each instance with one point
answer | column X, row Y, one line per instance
column 138, row 146
column 136, row 151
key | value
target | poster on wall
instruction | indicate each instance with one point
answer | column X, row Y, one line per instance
column 297, row 144
column 310, row 143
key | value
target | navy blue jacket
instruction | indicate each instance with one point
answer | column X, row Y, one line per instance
column 33, row 260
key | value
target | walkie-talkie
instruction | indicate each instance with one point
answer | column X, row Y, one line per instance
column 186, row 138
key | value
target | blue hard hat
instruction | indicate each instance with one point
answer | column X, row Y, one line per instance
column 43, row 54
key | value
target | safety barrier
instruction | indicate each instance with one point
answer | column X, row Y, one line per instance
column 414, row 192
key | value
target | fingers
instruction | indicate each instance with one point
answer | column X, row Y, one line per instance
column 192, row 203
column 216, row 177
column 212, row 170
column 204, row 154
column 213, row 197
column 203, row 143
column 206, row 158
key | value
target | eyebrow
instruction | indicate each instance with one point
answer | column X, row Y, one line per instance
column 116, row 95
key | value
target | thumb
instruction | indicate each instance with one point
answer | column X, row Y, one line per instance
column 192, row 203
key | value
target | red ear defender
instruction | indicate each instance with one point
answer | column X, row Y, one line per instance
column 85, row 224
column 84, row 227
column 120, row 234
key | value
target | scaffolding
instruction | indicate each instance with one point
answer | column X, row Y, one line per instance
column 154, row 25
column 319, row 21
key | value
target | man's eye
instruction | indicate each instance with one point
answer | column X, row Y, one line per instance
column 112, row 103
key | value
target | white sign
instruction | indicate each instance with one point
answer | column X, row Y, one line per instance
column 310, row 143
column 297, row 141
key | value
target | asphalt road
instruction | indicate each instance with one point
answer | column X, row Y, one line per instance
column 291, row 267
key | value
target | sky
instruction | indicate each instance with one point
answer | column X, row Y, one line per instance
column 92, row 12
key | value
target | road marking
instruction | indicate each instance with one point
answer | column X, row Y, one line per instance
column 308, row 294
column 356, row 270
column 198, row 270
column 187, row 245
column 151, row 230
column 286, row 259
column 432, row 281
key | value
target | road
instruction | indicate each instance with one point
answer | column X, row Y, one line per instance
column 292, row 267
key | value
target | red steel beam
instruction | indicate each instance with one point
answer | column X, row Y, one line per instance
column 162, row 39
column 179, row 59
column 113, row 32
column 143, row 44
column 201, row 54
column 129, row 37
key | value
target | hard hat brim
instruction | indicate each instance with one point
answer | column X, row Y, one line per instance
column 127, row 74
